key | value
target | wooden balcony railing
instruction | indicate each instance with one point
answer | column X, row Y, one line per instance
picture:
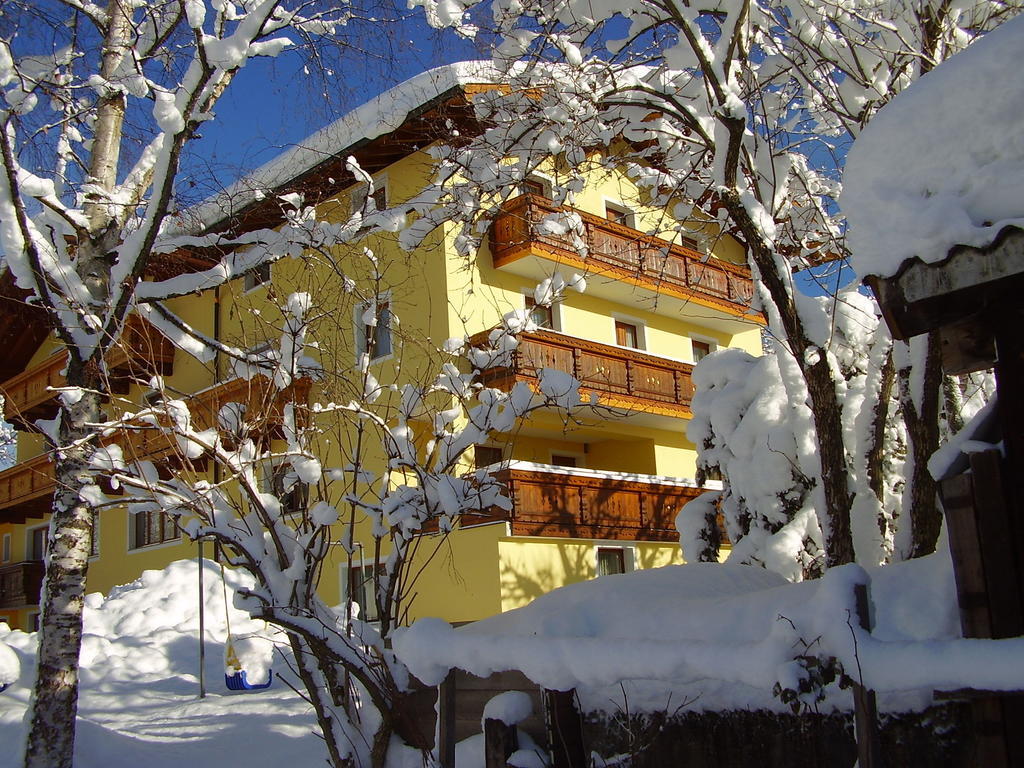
column 589, row 505
column 141, row 350
column 26, row 490
column 619, row 250
column 20, row 583
column 264, row 407
column 621, row 377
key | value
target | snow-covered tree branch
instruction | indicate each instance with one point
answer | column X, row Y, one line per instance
column 737, row 113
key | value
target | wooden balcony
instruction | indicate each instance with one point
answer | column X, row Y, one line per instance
column 20, row 584
column 586, row 504
column 256, row 394
column 623, row 253
column 140, row 352
column 26, row 490
column 621, row 377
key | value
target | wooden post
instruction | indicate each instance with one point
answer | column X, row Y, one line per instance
column 865, row 708
column 446, row 722
column 565, row 729
column 500, row 741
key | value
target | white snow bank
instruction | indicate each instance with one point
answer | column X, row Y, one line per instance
column 510, row 707
column 10, row 664
column 139, row 702
column 722, row 636
column 378, row 116
column 943, row 163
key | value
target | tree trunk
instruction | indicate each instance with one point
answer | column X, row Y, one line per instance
column 923, row 435
column 54, row 705
column 824, row 404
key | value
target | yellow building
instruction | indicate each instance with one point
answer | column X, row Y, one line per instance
column 598, row 495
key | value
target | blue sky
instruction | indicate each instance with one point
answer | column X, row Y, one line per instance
column 275, row 103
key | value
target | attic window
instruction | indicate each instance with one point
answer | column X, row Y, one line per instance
column 533, row 185
column 257, row 277
column 378, row 200
column 620, row 214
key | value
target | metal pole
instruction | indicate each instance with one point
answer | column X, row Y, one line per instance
column 202, row 624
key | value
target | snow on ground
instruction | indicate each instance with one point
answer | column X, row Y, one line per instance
column 139, row 701
column 943, row 163
column 720, row 636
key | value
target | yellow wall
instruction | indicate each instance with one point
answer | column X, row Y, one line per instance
column 531, row 567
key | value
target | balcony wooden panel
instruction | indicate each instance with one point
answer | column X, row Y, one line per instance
column 21, row 583
column 257, row 395
column 26, row 490
column 140, row 352
column 620, row 251
column 587, row 506
column 621, row 377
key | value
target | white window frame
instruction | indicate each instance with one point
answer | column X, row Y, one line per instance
column 362, row 343
column 5, row 555
column 133, row 522
column 269, row 471
column 612, row 204
column 641, row 331
column 253, row 280
column 357, row 194
column 629, row 558
column 556, row 311
column 29, row 534
column 546, row 182
column 344, row 570
column 712, row 344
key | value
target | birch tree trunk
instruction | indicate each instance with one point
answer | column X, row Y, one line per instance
column 54, row 705
column 51, row 737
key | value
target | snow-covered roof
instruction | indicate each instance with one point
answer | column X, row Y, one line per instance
column 375, row 118
column 721, row 635
column 943, row 164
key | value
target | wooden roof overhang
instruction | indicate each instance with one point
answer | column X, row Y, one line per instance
column 430, row 122
column 956, row 296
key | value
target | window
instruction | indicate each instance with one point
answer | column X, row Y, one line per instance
column 152, row 527
column 373, row 328
column 361, row 588
column 627, row 335
column 564, row 460
column 543, row 317
column 378, row 200
column 486, row 455
column 257, row 277
column 295, row 498
column 701, row 349
column 611, row 560
column 37, row 543
column 620, row 214
column 7, row 548
column 533, row 185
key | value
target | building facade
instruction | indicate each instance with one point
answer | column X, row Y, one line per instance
column 595, row 495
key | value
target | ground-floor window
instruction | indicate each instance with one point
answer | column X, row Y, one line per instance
column 360, row 586
column 612, row 560
column 153, row 527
